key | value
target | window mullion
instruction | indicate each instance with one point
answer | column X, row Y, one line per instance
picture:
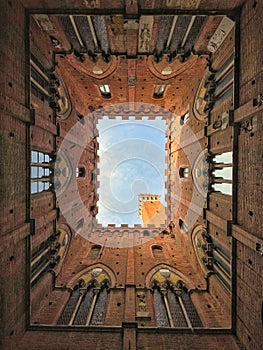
column 95, row 297
column 40, row 271
column 166, row 303
column 40, row 255
column 189, row 324
column 76, row 308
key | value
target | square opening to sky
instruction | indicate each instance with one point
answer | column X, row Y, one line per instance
column 131, row 171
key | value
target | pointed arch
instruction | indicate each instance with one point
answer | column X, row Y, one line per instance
column 189, row 284
column 74, row 281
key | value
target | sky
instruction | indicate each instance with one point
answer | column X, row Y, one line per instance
column 132, row 161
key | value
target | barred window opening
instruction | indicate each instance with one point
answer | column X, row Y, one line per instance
column 85, row 306
column 41, row 172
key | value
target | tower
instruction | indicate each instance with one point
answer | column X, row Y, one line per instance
column 151, row 210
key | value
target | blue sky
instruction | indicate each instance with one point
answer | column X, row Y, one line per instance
column 132, row 161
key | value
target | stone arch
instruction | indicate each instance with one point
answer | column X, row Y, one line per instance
column 79, row 276
column 182, row 67
column 112, row 66
column 188, row 283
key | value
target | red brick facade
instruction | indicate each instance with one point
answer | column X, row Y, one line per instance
column 29, row 315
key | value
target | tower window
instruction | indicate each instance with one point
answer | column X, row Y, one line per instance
column 105, row 90
column 159, row 90
column 79, row 224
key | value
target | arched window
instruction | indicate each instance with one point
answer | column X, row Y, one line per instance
column 88, row 301
column 105, row 90
column 174, row 307
column 40, row 172
column 159, row 90
column 94, row 252
column 39, row 80
column 184, row 118
column 157, row 251
column 184, row 172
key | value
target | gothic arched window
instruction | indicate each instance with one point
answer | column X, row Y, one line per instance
column 88, row 301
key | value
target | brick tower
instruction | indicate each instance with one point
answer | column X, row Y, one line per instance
column 151, row 210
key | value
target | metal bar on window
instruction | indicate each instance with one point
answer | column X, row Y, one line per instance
column 76, row 30
column 188, row 31
column 92, row 307
column 171, row 31
column 168, row 310
column 94, row 37
column 39, row 87
column 189, row 324
column 33, row 64
column 76, row 309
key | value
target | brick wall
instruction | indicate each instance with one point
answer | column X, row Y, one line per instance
column 15, row 226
